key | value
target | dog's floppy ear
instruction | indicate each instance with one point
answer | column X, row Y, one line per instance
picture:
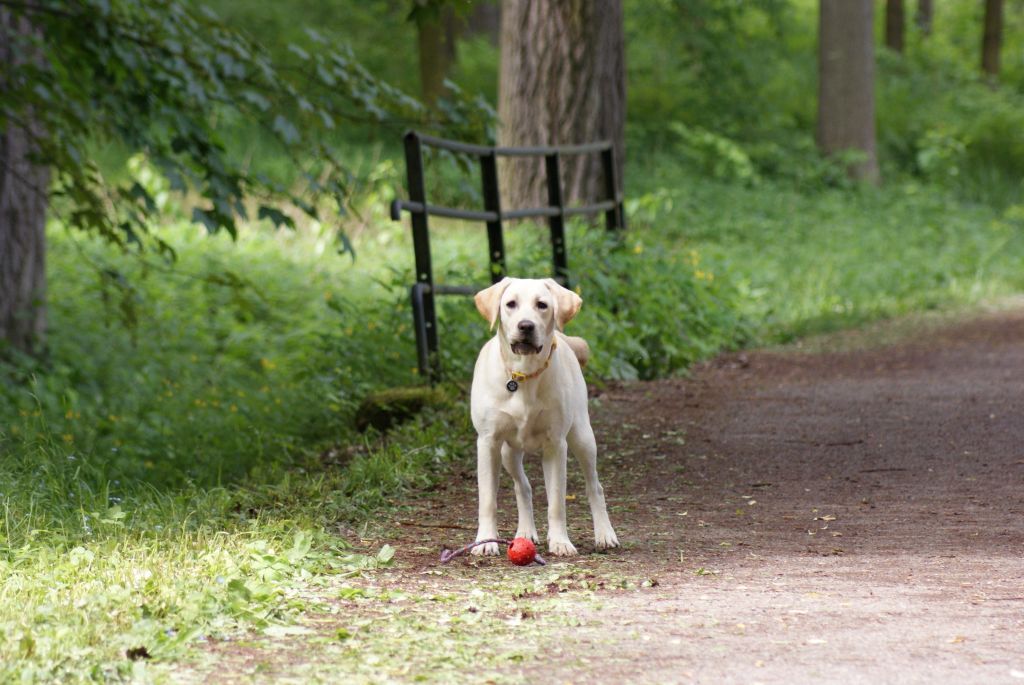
column 567, row 302
column 488, row 299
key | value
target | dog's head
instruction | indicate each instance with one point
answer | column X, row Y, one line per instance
column 529, row 311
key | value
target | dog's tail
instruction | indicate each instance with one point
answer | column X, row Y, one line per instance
column 579, row 347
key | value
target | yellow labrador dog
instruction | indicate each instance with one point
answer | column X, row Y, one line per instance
column 529, row 396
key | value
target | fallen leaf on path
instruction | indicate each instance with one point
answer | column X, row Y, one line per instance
column 957, row 639
column 826, row 517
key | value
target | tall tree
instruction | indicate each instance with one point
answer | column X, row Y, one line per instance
column 485, row 20
column 23, row 200
column 437, row 32
column 846, row 83
column 924, row 15
column 992, row 37
column 562, row 81
column 894, row 25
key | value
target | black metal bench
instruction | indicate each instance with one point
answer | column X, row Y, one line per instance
column 424, row 290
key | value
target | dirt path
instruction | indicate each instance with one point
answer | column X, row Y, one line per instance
column 846, row 517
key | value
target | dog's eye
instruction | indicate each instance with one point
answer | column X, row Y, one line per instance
column 542, row 305
column 511, row 304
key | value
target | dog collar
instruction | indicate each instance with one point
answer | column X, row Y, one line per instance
column 515, row 377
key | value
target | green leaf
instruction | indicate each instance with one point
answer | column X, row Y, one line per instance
column 385, row 555
column 203, row 217
column 275, row 216
column 298, row 51
column 346, row 245
column 286, row 129
column 256, row 99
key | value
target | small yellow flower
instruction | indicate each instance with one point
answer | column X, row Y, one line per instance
column 68, row 438
column 638, row 248
column 69, row 415
column 267, row 364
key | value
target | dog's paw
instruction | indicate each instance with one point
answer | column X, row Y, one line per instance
column 490, row 549
column 530, row 535
column 605, row 539
column 561, row 548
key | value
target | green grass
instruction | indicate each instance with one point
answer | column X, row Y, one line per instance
column 812, row 262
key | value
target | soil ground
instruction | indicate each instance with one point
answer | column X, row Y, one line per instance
column 844, row 516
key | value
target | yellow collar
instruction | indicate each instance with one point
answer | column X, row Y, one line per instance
column 515, row 377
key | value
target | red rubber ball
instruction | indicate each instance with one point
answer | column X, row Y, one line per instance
column 521, row 552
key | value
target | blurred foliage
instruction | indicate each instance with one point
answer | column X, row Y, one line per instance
column 722, row 81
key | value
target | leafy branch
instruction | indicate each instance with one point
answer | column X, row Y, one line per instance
column 167, row 80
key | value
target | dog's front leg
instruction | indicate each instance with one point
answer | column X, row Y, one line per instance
column 554, row 483
column 488, row 463
column 512, row 460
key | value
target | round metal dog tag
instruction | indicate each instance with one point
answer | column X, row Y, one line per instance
column 512, row 386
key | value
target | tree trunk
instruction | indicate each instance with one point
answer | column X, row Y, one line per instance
column 992, row 39
column 846, row 83
column 436, row 39
column 924, row 16
column 563, row 81
column 23, row 201
column 894, row 21
column 485, row 20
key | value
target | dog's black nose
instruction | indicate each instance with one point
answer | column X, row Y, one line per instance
column 526, row 326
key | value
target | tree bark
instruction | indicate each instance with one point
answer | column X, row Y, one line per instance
column 846, row 83
column 23, row 201
column 992, row 38
column 894, row 25
column 924, row 16
column 563, row 81
column 436, row 39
